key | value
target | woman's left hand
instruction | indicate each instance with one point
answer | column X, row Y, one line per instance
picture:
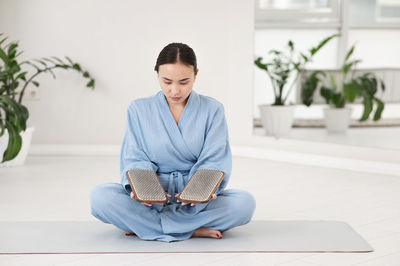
column 192, row 204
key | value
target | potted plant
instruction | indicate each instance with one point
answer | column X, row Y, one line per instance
column 277, row 118
column 14, row 135
column 348, row 89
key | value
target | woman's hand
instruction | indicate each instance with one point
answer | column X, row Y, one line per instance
column 147, row 203
column 192, row 204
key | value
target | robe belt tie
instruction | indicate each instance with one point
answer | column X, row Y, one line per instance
column 175, row 183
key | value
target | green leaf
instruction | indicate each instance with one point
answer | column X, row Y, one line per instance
column 290, row 44
column 21, row 76
column 51, row 71
column 314, row 50
column 35, row 83
column 3, row 56
column 332, row 80
column 367, row 108
column 14, row 143
column 2, row 127
column 77, row 67
column 309, row 87
column 41, row 61
column 304, row 57
column 351, row 90
column 16, row 110
column 349, row 53
column 13, row 67
column 275, row 52
column 35, row 66
column 379, row 109
column 14, row 85
column 368, row 84
column 21, row 52
column 12, row 50
column 59, row 60
column 326, row 93
column 25, row 113
column 259, row 64
column 90, row 84
column 4, row 39
column 62, row 66
column 69, row 60
column 338, row 100
column 346, row 67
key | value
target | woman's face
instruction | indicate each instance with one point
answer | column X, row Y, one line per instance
column 176, row 81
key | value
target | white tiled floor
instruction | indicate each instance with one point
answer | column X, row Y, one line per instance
column 57, row 188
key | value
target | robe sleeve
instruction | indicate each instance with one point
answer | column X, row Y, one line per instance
column 132, row 154
column 216, row 152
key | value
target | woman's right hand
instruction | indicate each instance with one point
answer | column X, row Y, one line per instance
column 146, row 203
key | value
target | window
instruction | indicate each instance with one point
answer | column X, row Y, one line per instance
column 303, row 11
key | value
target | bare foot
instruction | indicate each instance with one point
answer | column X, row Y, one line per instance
column 129, row 233
column 207, row 232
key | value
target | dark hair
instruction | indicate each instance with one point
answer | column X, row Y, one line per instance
column 177, row 52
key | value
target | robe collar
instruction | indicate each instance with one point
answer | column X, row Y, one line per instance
column 191, row 102
column 175, row 129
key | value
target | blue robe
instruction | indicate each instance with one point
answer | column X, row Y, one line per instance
column 154, row 141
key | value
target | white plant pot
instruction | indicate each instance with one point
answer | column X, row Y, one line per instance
column 277, row 120
column 337, row 120
column 21, row 157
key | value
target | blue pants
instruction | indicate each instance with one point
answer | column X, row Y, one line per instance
column 110, row 203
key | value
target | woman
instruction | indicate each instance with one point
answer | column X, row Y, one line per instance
column 174, row 133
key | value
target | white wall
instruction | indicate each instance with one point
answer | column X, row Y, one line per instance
column 118, row 42
column 376, row 47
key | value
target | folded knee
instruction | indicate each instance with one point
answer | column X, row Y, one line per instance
column 100, row 196
column 243, row 204
column 249, row 203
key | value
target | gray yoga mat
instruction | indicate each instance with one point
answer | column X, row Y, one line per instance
column 87, row 237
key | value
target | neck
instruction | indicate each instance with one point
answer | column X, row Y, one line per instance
column 177, row 105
